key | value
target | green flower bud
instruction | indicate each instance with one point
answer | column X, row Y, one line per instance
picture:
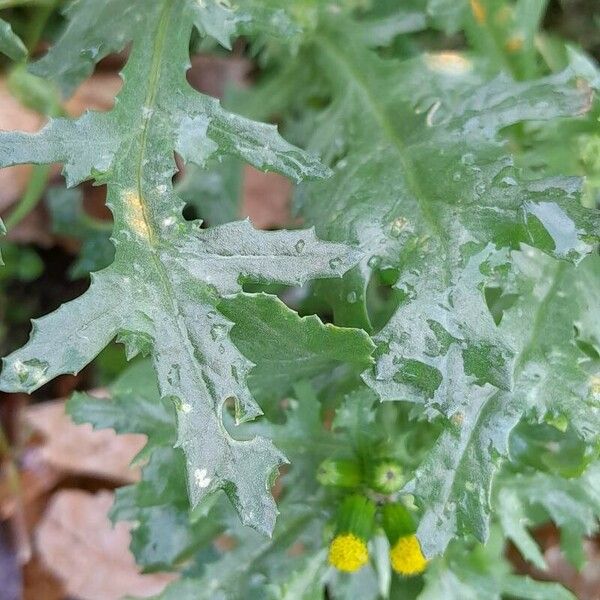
column 340, row 473
column 386, row 477
column 397, row 521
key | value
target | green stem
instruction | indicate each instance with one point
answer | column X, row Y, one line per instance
column 96, row 224
column 33, row 193
column 38, row 21
column 14, row 3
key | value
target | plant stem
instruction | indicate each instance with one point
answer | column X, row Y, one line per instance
column 38, row 21
column 33, row 193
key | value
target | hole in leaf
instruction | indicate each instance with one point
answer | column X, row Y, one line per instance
column 585, row 346
column 497, row 302
column 382, row 298
column 190, row 213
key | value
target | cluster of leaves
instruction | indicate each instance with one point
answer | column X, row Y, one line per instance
column 456, row 248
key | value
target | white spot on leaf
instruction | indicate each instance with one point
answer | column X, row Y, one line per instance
column 201, row 477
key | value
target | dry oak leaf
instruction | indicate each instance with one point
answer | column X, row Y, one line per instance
column 79, row 545
column 79, row 449
column 14, row 117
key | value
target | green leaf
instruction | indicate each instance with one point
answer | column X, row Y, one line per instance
column 453, row 483
column 10, row 43
column 162, row 533
column 424, row 184
column 70, row 219
column 514, row 521
column 288, row 348
column 256, row 568
column 555, row 376
column 134, row 406
column 215, row 192
column 572, row 504
column 163, row 289
column 482, row 573
column 96, row 29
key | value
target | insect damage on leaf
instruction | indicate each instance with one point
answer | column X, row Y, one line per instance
column 168, row 275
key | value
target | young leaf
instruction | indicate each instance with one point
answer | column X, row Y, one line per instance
column 482, row 573
column 163, row 289
column 255, row 567
column 134, row 406
column 10, row 43
column 287, row 348
column 425, row 185
column 572, row 504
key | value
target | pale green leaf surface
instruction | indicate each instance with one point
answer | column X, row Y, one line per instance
column 554, row 375
column 551, row 381
column 10, row 43
column 96, row 29
column 168, row 277
column 288, row 348
column 424, row 184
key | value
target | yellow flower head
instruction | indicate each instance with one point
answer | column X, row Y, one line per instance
column 406, row 556
column 348, row 552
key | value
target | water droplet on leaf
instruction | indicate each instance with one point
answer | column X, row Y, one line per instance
column 374, row 262
column 173, row 376
column 218, row 331
column 468, row 158
column 398, row 226
column 335, row 263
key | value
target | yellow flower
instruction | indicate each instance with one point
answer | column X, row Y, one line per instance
column 348, row 552
column 406, row 556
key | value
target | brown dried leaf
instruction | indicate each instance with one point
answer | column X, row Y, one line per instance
column 78, row 449
column 96, row 93
column 14, row 116
column 212, row 74
column 266, row 199
column 39, row 583
column 80, row 546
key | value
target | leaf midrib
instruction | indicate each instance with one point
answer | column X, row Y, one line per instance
column 381, row 117
column 149, row 102
column 535, row 332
